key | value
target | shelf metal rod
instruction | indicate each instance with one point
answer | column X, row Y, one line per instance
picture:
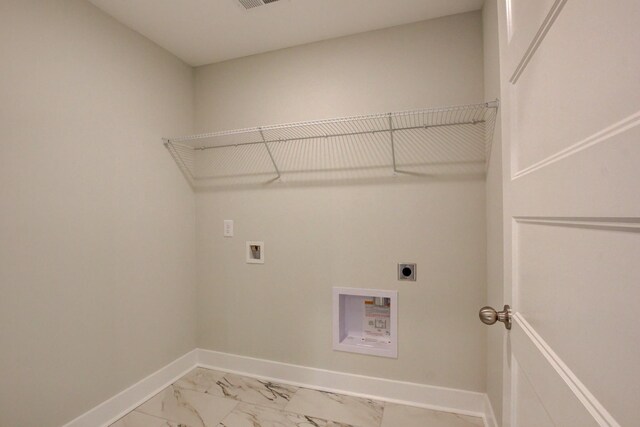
column 174, row 153
column 366, row 132
column 338, row 121
column 269, row 151
column 393, row 148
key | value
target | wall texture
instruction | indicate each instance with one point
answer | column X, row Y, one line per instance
column 347, row 234
column 495, row 280
column 97, row 270
column 428, row 64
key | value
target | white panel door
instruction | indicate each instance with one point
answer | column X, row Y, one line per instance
column 571, row 125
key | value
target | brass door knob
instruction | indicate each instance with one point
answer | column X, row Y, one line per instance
column 489, row 316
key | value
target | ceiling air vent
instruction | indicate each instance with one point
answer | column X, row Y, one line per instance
column 250, row 4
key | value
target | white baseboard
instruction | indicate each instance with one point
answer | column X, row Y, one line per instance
column 406, row 393
column 111, row 410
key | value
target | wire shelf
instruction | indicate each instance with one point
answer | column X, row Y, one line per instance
column 433, row 141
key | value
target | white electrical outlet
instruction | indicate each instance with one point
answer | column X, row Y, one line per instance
column 228, row 228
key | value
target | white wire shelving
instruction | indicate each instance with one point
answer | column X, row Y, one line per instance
column 434, row 141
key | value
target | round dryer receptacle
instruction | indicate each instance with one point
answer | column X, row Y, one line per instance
column 407, row 271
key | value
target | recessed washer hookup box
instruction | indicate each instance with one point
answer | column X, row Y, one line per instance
column 365, row 321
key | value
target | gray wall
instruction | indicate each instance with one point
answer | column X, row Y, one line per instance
column 98, row 261
column 347, row 233
column 97, row 272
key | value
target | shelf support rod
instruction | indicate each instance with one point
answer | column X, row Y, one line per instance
column 393, row 148
column 275, row 166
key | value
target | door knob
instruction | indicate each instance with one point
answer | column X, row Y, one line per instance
column 489, row 316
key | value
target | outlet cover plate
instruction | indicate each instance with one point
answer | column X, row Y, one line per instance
column 407, row 271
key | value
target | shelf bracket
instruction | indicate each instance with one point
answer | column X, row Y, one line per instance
column 493, row 104
column 393, row 148
column 266, row 145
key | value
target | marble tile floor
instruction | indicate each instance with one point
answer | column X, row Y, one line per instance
column 208, row 398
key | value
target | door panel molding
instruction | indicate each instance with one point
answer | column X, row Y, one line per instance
column 573, row 282
column 630, row 224
column 587, row 183
column 537, row 39
column 603, row 135
column 524, row 335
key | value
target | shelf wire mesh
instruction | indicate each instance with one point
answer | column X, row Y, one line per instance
column 450, row 140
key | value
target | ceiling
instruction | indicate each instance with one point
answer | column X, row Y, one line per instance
column 205, row 31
